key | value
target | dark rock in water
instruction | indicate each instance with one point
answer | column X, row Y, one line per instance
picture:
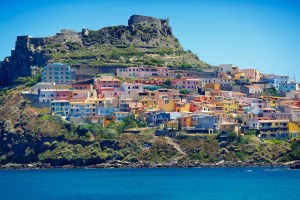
column 295, row 165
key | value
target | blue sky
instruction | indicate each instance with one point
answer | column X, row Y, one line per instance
column 264, row 34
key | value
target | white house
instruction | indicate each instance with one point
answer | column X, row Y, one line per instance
column 128, row 87
column 47, row 95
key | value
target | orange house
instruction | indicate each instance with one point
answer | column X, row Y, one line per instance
column 108, row 119
column 194, row 106
column 64, row 94
column 199, row 98
column 181, row 107
column 185, row 121
column 213, row 86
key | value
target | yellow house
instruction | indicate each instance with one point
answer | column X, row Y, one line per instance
column 171, row 125
column 214, row 86
column 294, row 131
column 230, row 127
column 149, row 103
column 230, row 106
column 239, row 76
column 167, row 104
column 270, row 101
column 182, row 107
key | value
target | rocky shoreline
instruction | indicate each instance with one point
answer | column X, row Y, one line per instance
column 121, row 164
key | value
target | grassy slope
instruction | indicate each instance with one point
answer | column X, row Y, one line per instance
column 101, row 55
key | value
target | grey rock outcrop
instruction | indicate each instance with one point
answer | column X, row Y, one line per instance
column 141, row 33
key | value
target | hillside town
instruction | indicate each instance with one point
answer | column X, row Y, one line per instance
column 218, row 100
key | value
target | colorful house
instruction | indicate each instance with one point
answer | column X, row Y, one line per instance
column 187, row 83
column 182, row 107
column 59, row 73
column 230, row 106
column 60, row 107
column 166, row 104
column 149, row 103
column 239, row 76
column 129, row 87
column 270, row 129
column 118, row 116
column 142, row 72
column 252, row 74
column 294, row 131
column 103, row 83
column 251, row 90
column 230, row 127
column 83, row 109
column 156, row 118
column 185, row 122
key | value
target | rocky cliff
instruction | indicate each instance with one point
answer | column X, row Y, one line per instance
column 144, row 41
column 141, row 31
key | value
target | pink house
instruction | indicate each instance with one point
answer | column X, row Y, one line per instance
column 102, row 83
column 186, row 83
column 252, row 74
column 142, row 72
column 162, row 71
column 64, row 95
column 80, row 94
column 167, row 93
column 112, row 93
column 82, row 86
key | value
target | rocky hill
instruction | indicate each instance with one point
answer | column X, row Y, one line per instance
column 144, row 41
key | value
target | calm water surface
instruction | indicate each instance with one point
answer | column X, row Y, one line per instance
column 202, row 183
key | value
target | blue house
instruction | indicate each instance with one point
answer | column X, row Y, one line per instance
column 60, row 107
column 206, row 124
column 107, row 111
column 157, row 118
column 283, row 88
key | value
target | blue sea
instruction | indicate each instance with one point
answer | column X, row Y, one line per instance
column 136, row 184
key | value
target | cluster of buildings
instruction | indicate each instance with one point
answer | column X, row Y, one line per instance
column 222, row 100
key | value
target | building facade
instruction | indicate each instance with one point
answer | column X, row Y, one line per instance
column 58, row 73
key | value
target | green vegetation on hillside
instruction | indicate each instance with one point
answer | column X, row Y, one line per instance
column 106, row 55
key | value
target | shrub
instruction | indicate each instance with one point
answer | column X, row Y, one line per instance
column 184, row 91
column 231, row 137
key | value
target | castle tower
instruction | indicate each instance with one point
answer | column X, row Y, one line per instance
column 85, row 32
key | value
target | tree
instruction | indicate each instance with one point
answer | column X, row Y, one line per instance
column 109, row 134
column 231, row 137
column 130, row 122
column 178, row 76
column 273, row 92
column 184, row 91
column 167, row 82
column 118, row 126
